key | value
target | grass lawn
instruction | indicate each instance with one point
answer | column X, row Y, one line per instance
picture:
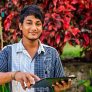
column 70, row 51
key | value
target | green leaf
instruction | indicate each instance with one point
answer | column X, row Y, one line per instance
column 87, row 83
column 84, row 82
column 89, row 89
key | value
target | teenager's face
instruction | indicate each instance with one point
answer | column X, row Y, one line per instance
column 31, row 27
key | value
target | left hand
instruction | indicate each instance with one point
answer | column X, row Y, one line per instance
column 59, row 87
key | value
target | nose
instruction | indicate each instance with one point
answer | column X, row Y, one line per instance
column 33, row 27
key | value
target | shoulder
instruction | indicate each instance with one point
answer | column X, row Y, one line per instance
column 8, row 47
column 50, row 49
column 5, row 48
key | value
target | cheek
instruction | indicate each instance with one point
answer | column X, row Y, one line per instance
column 40, row 28
column 27, row 27
column 40, row 31
column 25, row 31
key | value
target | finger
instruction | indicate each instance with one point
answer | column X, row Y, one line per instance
column 35, row 77
column 69, row 82
column 22, row 84
column 26, row 82
column 30, row 79
column 28, row 85
column 58, row 85
column 25, row 79
column 63, row 83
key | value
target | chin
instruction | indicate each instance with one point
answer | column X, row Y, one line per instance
column 34, row 38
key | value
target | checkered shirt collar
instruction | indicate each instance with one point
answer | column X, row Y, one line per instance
column 20, row 47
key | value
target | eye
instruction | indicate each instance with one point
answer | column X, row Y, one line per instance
column 29, row 22
column 38, row 23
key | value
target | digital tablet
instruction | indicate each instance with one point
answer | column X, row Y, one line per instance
column 47, row 82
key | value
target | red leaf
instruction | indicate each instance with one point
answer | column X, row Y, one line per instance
column 47, row 16
column 50, row 27
column 67, row 36
column 54, row 15
column 44, row 4
column 86, row 38
column 15, row 2
column 70, row 7
column 52, row 34
column 74, row 1
column 66, row 23
column 55, row 2
column 7, row 24
column 77, row 41
column 44, row 35
column 49, row 40
column 58, row 25
column 15, row 36
column 61, row 8
column 58, row 39
column 8, row 20
column 52, row 42
column 75, row 31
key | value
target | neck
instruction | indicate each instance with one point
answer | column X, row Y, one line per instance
column 30, row 43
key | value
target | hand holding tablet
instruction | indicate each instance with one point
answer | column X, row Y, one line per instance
column 48, row 82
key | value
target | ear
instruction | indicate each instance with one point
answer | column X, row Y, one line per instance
column 20, row 26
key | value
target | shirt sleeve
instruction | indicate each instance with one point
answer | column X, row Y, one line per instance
column 4, row 60
column 59, row 71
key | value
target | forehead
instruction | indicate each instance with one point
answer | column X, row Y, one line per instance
column 31, row 18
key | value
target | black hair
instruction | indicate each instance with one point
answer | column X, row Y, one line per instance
column 31, row 10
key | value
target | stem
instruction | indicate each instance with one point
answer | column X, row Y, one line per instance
column 1, row 34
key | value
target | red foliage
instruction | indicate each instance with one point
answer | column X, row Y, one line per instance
column 61, row 16
column 8, row 20
column 64, row 21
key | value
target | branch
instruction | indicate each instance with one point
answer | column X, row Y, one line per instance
column 1, row 35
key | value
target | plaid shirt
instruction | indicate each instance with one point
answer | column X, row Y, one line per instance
column 47, row 63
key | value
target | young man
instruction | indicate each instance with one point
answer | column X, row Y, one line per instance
column 30, row 60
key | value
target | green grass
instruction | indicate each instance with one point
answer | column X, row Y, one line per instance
column 4, row 88
column 70, row 51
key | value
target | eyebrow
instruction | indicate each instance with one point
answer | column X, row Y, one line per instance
column 31, row 20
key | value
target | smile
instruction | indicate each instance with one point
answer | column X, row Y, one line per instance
column 33, row 33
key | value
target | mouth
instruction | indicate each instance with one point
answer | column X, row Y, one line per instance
column 33, row 33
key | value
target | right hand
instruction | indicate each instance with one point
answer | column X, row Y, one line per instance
column 59, row 87
column 25, row 78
